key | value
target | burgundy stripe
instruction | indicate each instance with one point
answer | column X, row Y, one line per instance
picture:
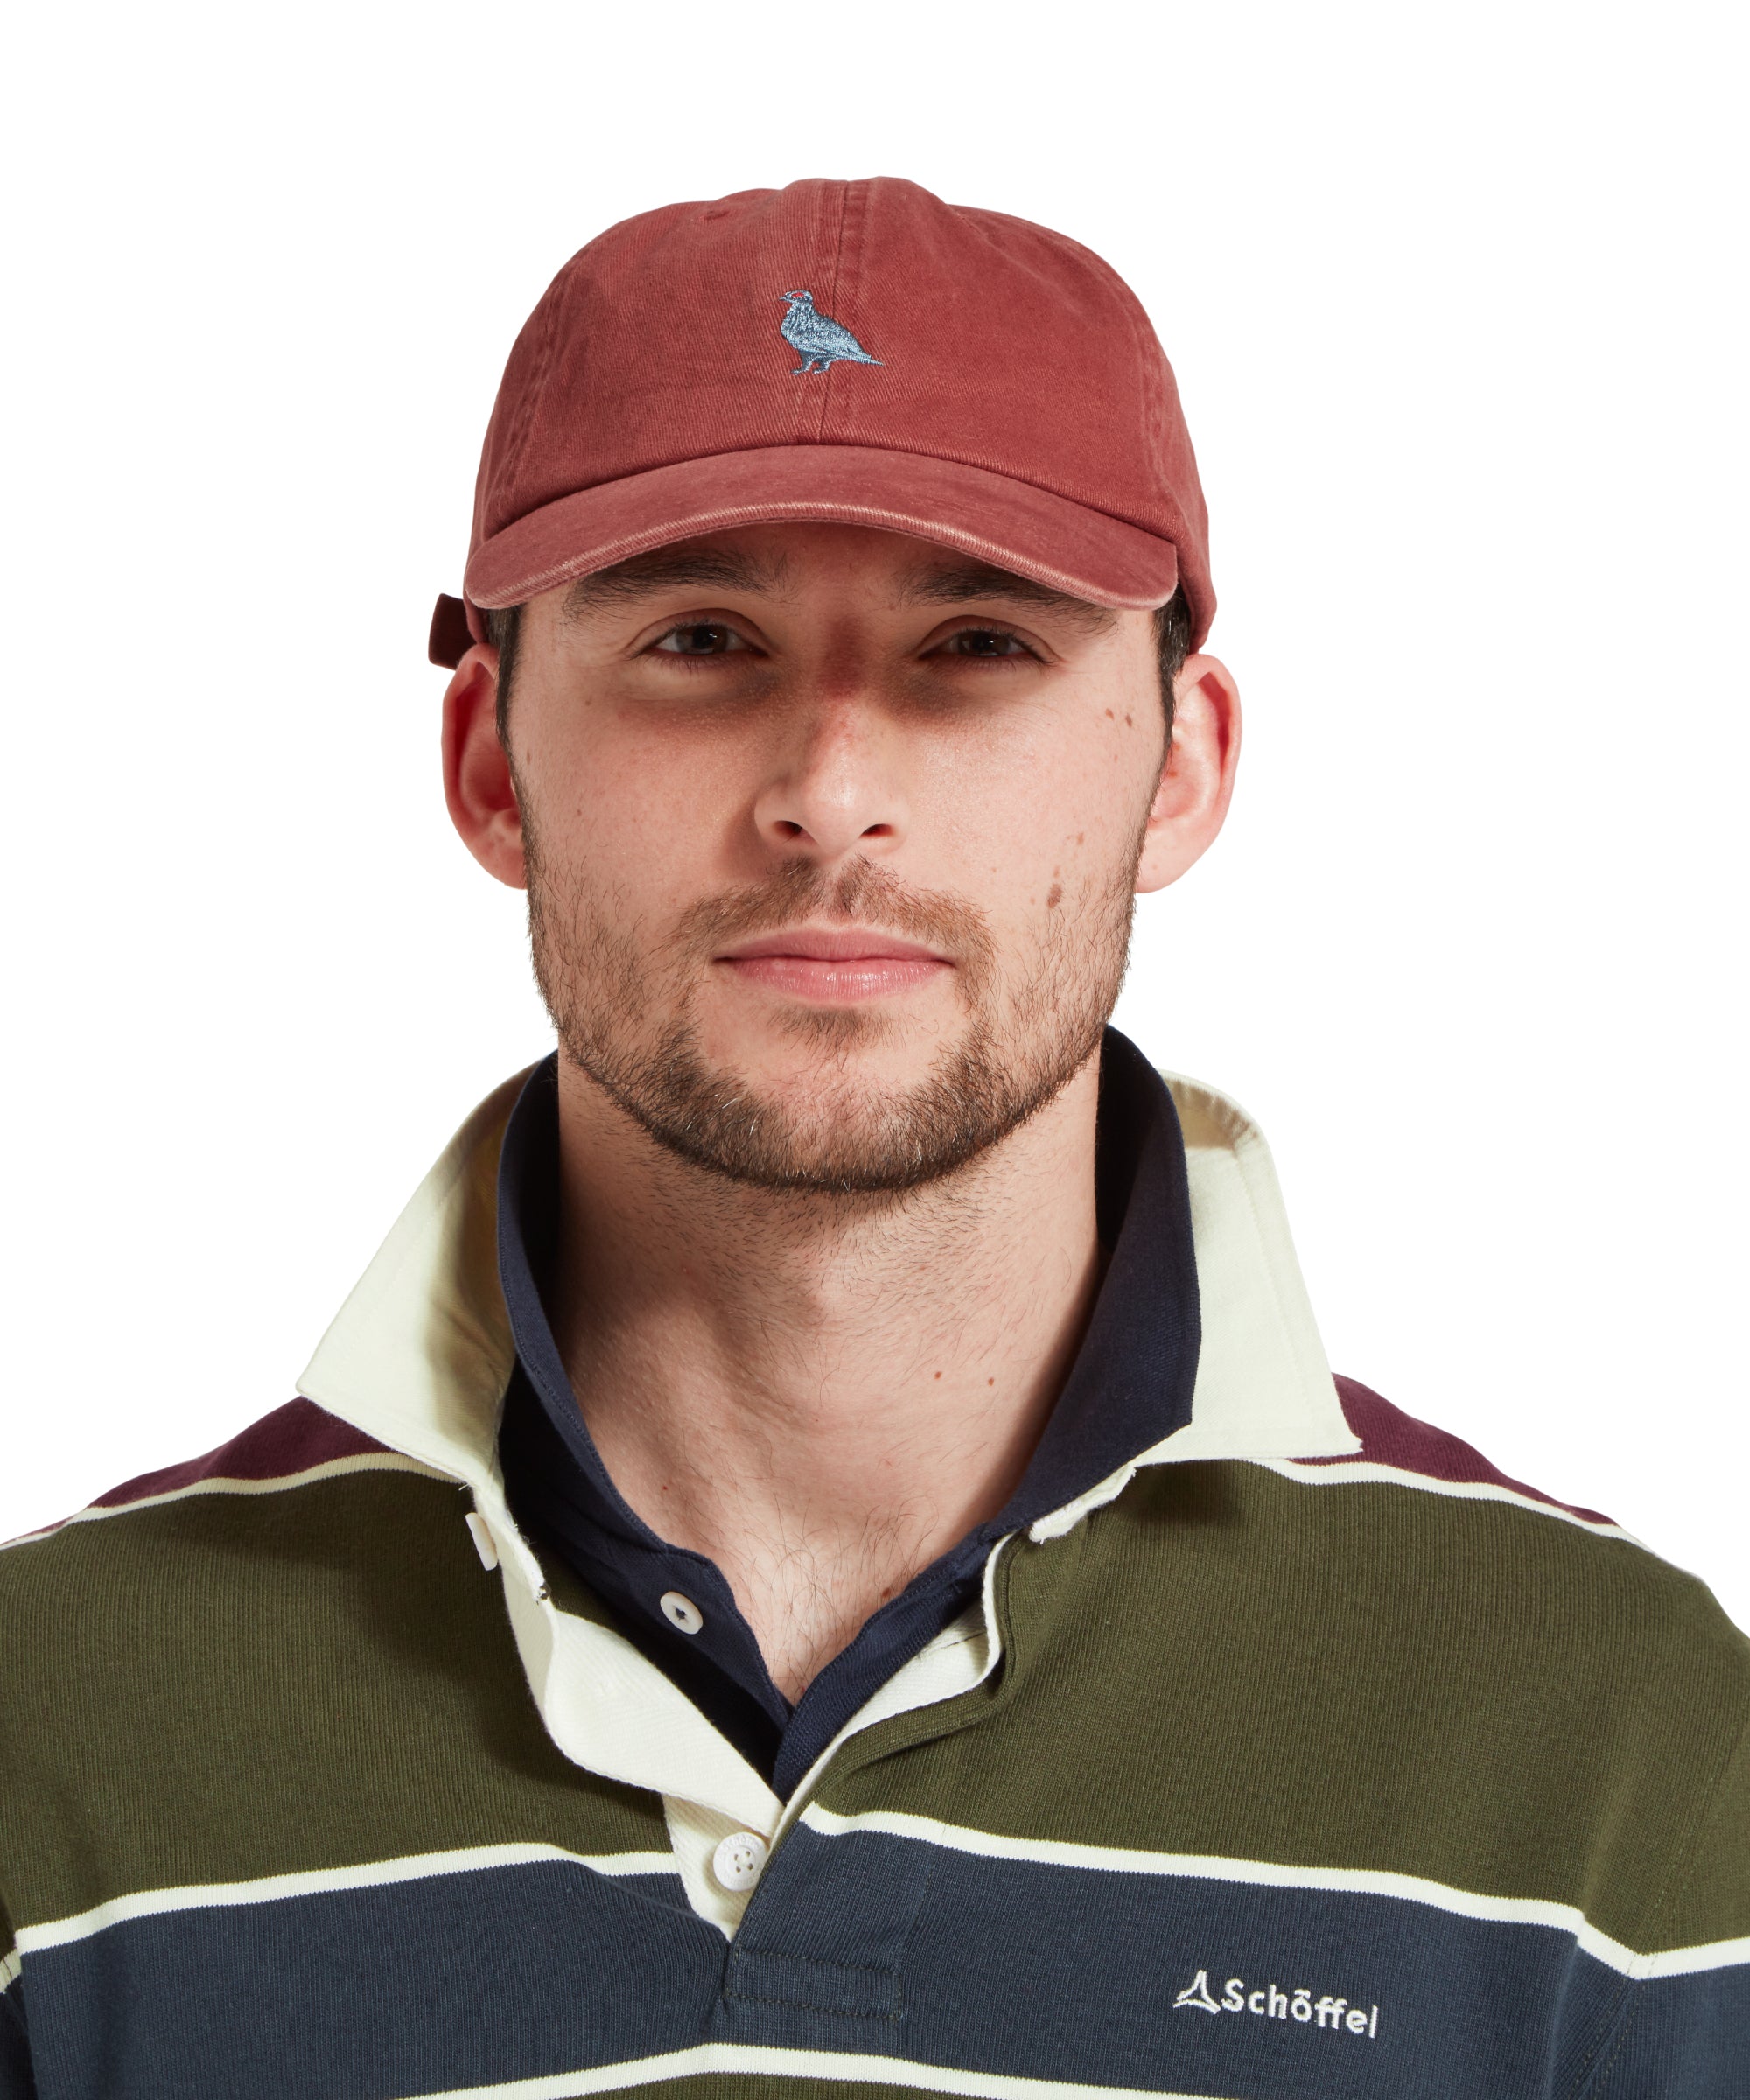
column 293, row 1437
column 1392, row 1437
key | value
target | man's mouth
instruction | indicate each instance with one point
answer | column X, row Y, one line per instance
column 835, row 966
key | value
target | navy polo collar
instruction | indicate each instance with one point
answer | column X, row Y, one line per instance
column 1130, row 1387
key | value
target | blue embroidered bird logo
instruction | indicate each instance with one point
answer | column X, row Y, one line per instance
column 819, row 342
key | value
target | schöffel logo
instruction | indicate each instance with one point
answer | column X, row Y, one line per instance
column 1268, row 2003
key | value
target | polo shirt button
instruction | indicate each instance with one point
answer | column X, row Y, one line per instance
column 738, row 1860
column 680, row 1610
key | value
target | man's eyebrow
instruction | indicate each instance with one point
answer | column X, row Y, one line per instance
column 670, row 569
column 973, row 580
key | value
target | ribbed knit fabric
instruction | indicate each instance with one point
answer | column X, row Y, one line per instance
column 1366, row 1772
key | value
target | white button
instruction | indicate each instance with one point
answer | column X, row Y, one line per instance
column 485, row 1544
column 682, row 1611
column 738, row 1860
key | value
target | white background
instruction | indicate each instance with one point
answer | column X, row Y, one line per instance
column 1456, row 299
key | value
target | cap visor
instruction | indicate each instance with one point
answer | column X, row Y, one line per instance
column 1011, row 524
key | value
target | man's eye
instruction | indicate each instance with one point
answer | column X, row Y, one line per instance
column 700, row 637
column 986, row 641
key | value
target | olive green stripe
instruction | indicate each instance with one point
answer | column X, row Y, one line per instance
column 1711, row 1885
column 1223, row 1663
column 1363, row 1676
column 226, row 1688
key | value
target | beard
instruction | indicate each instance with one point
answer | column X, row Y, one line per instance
column 621, row 1003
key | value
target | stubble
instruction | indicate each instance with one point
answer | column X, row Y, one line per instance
column 621, row 998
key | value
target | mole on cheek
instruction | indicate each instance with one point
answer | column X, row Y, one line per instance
column 1054, row 896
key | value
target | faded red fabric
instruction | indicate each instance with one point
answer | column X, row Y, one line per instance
column 1021, row 409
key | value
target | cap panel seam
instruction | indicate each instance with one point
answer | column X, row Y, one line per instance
column 1151, row 378
column 844, row 194
column 516, row 439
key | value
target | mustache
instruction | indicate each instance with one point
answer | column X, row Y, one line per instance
column 861, row 892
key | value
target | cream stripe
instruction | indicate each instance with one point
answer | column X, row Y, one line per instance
column 1459, row 1902
column 1691, row 1961
column 376, row 1874
column 726, row 2059
column 1336, row 1472
column 364, row 1461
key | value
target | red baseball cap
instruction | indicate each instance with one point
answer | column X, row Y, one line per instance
column 852, row 353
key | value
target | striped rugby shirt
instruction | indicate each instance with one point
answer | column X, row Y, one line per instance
column 1305, row 1755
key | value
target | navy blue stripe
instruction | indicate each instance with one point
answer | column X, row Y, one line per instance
column 1019, row 1968
column 873, row 1945
column 464, row 1979
column 1681, row 2038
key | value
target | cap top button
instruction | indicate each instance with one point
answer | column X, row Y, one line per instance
column 681, row 1612
column 737, row 1861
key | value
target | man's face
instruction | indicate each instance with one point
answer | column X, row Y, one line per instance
column 832, row 839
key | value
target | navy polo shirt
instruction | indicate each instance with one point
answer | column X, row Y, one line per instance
column 1129, row 1386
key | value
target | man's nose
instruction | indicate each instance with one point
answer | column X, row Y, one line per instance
column 835, row 784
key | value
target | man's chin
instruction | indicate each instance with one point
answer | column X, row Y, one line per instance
column 819, row 1128
column 847, row 1140
column 833, row 1064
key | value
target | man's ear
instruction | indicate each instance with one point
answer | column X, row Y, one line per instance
column 476, row 782
column 1197, row 782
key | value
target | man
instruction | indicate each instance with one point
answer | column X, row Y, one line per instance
column 823, row 1555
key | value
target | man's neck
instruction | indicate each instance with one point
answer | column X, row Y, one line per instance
column 821, row 1394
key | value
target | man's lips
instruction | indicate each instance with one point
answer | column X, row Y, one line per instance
column 851, row 945
column 837, row 968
